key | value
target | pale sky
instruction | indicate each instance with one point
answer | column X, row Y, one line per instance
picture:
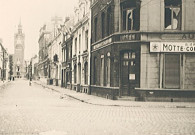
column 33, row 14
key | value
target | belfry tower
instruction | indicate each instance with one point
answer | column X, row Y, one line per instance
column 19, row 68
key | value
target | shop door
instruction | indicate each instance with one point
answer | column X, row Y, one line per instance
column 125, row 82
column 128, row 73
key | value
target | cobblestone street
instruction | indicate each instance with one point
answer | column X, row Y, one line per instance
column 33, row 109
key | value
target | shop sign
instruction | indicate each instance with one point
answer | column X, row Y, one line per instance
column 103, row 43
column 172, row 46
column 129, row 37
column 188, row 36
column 126, row 37
column 178, row 36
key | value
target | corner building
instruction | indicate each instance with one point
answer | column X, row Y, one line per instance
column 143, row 49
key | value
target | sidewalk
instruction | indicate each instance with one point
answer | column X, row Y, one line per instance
column 3, row 83
column 94, row 100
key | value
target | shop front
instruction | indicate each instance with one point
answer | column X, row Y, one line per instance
column 116, row 66
column 167, row 68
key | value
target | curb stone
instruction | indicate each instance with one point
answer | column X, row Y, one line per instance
column 116, row 105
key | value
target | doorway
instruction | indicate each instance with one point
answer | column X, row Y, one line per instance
column 129, row 72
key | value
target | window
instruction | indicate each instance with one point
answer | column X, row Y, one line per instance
column 108, row 28
column 102, row 71
column 86, row 72
column 172, row 71
column 84, row 11
column 108, row 72
column 67, row 77
column 129, row 55
column 63, row 50
column 103, row 25
column 128, row 19
column 95, row 71
column 67, row 53
column 79, row 43
column 173, row 14
column 130, row 15
column 75, row 74
column 95, row 29
column 75, row 46
column 86, row 39
column 79, row 73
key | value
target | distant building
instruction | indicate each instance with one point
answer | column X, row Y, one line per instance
column 55, row 51
column 44, row 39
column 18, row 57
column 81, row 47
column 10, row 65
column 34, row 63
column 4, row 68
column 66, row 80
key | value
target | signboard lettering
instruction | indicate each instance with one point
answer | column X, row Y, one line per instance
column 188, row 36
column 105, row 42
column 172, row 47
column 127, row 37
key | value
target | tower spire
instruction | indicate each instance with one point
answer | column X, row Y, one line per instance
column 20, row 26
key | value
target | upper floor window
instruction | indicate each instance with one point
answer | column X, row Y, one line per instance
column 95, row 29
column 130, row 15
column 79, row 43
column 75, row 45
column 103, row 25
column 173, row 14
column 108, row 27
column 86, row 39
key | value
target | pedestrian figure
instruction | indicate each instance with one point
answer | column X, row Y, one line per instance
column 30, row 81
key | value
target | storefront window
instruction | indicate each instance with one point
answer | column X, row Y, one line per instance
column 173, row 14
column 172, row 71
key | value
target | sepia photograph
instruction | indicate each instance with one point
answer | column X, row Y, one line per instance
column 97, row 67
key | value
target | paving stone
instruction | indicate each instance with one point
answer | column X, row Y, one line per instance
column 27, row 110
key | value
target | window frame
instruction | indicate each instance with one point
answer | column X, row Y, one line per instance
column 172, row 7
